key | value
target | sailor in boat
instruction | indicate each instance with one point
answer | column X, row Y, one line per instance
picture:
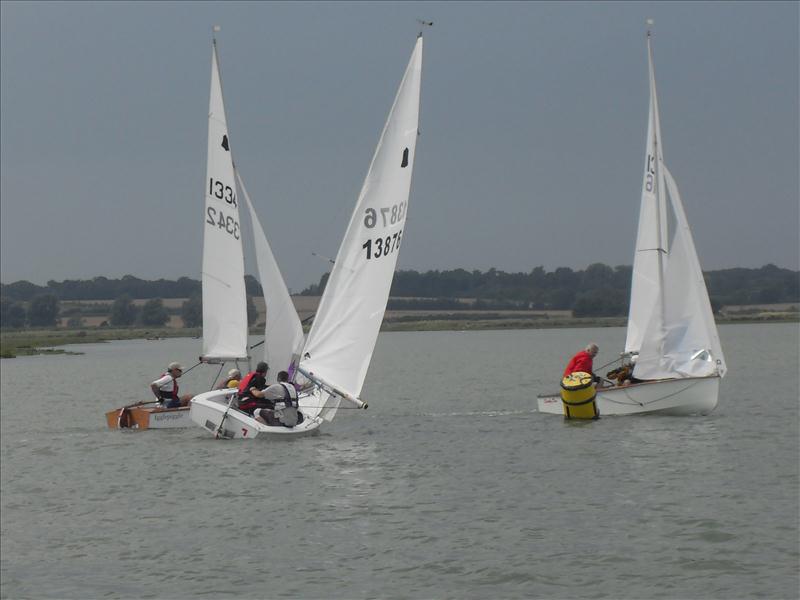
column 282, row 403
column 165, row 388
column 623, row 375
column 231, row 381
column 582, row 362
column 253, row 380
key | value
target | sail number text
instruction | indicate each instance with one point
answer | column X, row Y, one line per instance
column 650, row 171
column 219, row 190
column 389, row 215
column 383, row 246
column 220, row 220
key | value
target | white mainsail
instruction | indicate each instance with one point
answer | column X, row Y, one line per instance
column 343, row 336
column 646, row 282
column 224, row 299
column 670, row 323
column 283, row 332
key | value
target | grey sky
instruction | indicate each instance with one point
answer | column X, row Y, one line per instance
column 533, row 125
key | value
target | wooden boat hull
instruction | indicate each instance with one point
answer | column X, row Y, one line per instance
column 680, row 397
column 208, row 409
column 149, row 417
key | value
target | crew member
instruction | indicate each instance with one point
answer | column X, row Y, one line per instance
column 231, row 381
column 281, row 401
column 165, row 388
column 254, row 379
column 582, row 361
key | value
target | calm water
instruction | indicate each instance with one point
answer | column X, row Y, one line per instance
column 450, row 486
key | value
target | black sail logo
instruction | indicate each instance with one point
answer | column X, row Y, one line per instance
column 225, row 143
column 404, row 162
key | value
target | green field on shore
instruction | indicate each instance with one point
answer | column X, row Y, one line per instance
column 25, row 342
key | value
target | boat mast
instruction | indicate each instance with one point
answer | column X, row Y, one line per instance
column 216, row 29
column 660, row 198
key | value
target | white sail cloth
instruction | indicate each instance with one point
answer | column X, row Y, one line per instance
column 345, row 329
column 283, row 332
column 670, row 322
column 224, row 299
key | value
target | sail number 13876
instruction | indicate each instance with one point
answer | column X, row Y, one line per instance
column 383, row 246
column 389, row 215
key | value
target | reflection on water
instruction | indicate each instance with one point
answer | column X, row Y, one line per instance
column 450, row 485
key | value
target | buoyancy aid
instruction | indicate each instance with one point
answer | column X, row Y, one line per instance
column 168, row 395
column 253, row 379
column 244, row 384
column 288, row 415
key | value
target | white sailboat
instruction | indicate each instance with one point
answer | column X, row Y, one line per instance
column 671, row 337
column 337, row 353
column 223, row 286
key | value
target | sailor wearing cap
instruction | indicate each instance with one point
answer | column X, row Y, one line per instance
column 165, row 388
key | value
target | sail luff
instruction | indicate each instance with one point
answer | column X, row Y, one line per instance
column 224, row 299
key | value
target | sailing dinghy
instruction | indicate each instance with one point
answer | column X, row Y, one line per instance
column 337, row 353
column 223, row 286
column 672, row 340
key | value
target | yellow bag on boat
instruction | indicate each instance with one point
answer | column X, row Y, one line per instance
column 578, row 396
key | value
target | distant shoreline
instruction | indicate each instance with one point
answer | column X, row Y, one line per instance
column 29, row 342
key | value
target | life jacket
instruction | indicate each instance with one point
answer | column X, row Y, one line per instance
column 245, row 383
column 246, row 402
column 165, row 395
column 288, row 415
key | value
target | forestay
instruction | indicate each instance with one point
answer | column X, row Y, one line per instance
column 224, row 300
column 283, row 332
column 343, row 336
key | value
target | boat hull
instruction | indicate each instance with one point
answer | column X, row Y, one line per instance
column 680, row 397
column 208, row 410
column 149, row 417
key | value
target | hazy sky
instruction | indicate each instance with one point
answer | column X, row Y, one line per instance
column 533, row 125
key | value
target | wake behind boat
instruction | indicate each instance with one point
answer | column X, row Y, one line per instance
column 672, row 346
column 337, row 353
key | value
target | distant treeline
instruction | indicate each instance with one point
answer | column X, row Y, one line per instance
column 599, row 290
column 102, row 288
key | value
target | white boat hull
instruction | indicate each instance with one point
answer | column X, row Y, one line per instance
column 681, row 397
column 210, row 409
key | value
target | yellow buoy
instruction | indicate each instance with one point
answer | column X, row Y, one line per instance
column 578, row 396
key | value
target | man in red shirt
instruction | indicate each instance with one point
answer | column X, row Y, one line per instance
column 582, row 361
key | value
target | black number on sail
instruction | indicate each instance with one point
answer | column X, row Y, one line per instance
column 225, row 143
